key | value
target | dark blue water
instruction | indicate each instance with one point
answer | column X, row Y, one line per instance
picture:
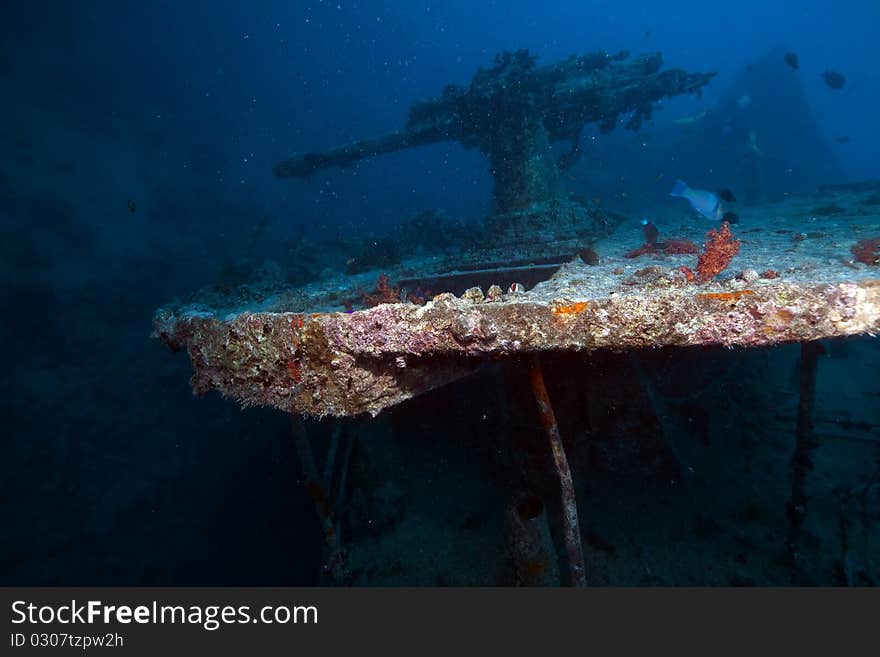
column 136, row 149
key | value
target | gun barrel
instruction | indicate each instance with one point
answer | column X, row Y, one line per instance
column 563, row 96
column 303, row 165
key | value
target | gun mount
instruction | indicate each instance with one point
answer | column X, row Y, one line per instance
column 513, row 111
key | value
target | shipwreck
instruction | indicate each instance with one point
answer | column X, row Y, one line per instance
column 533, row 291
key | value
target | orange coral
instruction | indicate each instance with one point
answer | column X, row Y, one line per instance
column 718, row 251
column 383, row 293
column 570, row 309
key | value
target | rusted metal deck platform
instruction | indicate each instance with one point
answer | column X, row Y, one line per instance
column 341, row 364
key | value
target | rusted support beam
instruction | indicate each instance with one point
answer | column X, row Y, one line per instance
column 570, row 524
column 335, row 561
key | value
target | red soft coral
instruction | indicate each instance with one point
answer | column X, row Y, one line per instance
column 642, row 250
column 669, row 247
column 718, row 251
column 383, row 293
column 678, row 247
column 867, row 251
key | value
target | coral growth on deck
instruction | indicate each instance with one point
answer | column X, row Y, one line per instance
column 383, row 293
column 867, row 251
column 718, row 251
column 669, row 247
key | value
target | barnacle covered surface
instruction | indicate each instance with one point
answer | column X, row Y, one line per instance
column 338, row 363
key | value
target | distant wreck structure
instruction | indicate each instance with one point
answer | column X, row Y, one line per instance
column 513, row 112
column 763, row 135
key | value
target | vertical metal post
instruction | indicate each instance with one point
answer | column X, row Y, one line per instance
column 570, row 524
column 805, row 444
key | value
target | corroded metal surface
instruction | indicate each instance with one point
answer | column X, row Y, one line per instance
column 340, row 364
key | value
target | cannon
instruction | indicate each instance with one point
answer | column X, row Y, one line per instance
column 513, row 111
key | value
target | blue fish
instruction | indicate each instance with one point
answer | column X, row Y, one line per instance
column 706, row 203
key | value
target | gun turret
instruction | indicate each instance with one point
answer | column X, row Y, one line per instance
column 515, row 109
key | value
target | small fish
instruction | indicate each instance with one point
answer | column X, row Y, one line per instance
column 841, row 140
column 726, row 195
column 651, row 231
column 792, row 60
column 753, row 142
column 132, row 206
column 706, row 203
column 689, row 120
column 744, row 101
column 834, row 79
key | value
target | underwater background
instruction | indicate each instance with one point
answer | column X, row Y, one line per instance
column 136, row 149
